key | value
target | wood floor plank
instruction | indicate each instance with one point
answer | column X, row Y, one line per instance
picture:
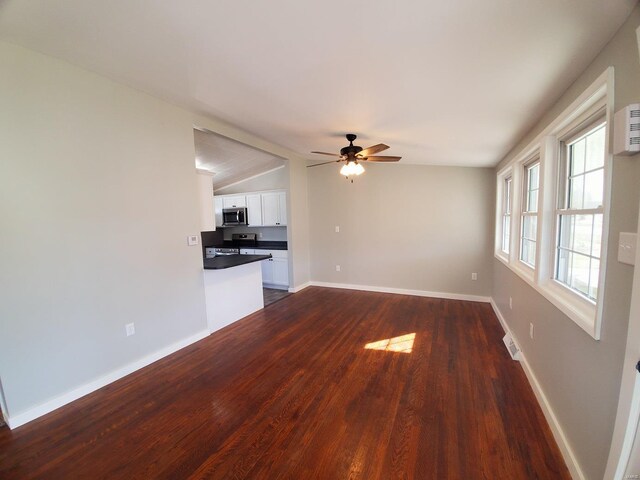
column 291, row 392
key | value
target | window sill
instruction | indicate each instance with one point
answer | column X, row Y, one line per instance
column 502, row 256
column 524, row 270
column 580, row 311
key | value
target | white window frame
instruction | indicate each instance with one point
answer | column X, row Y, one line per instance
column 563, row 209
column 503, row 177
column 596, row 100
column 525, row 211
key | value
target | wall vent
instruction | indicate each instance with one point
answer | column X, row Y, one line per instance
column 512, row 348
column 626, row 130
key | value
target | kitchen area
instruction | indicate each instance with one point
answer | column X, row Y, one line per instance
column 244, row 222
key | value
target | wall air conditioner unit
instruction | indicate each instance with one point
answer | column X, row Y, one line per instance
column 512, row 348
column 626, row 130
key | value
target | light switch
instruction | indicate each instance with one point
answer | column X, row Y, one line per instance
column 337, row 229
column 192, row 239
column 627, row 248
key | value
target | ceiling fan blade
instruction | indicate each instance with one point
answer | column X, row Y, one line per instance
column 324, row 163
column 382, row 159
column 372, row 150
column 331, row 154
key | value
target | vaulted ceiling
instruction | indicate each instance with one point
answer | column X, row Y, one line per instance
column 446, row 83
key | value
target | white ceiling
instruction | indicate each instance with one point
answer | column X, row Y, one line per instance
column 442, row 82
column 230, row 161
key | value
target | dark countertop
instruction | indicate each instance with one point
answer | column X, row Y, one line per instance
column 228, row 261
column 260, row 245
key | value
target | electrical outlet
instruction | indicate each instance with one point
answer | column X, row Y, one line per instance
column 337, row 229
column 510, row 303
column 259, row 234
column 337, row 268
column 130, row 328
column 531, row 330
column 474, row 276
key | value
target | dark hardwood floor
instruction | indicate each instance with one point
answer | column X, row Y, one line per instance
column 291, row 392
column 272, row 295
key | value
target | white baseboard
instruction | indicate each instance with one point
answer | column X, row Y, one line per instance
column 14, row 421
column 402, row 291
column 299, row 287
column 558, row 433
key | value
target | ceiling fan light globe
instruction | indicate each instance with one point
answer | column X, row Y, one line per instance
column 351, row 168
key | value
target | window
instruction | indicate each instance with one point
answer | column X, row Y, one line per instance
column 580, row 211
column 506, row 214
column 529, row 220
column 557, row 188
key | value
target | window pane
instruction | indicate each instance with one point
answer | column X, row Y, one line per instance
column 582, row 234
column 576, row 189
column 528, row 253
column 595, row 274
column 506, row 225
column 533, row 176
column 562, row 273
column 593, row 189
column 507, row 195
column 532, row 253
column 566, row 230
column 529, row 226
column 597, row 236
column 595, row 149
column 524, row 253
column 576, row 156
column 579, row 272
column 532, row 201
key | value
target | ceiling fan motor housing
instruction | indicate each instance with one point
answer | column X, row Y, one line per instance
column 352, row 149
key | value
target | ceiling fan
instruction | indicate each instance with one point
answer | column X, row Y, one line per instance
column 352, row 154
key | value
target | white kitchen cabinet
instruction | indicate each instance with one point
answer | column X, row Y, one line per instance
column 254, row 209
column 247, row 251
column 217, row 208
column 274, row 209
column 234, row 201
column 282, row 203
column 275, row 271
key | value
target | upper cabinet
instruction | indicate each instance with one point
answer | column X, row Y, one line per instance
column 234, row 201
column 254, row 209
column 274, row 209
column 264, row 209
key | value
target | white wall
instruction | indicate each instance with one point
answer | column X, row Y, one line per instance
column 97, row 197
column 579, row 375
column 411, row 227
column 273, row 180
column 205, row 198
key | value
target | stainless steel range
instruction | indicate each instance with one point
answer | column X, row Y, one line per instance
column 239, row 239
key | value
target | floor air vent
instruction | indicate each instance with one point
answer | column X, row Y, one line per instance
column 512, row 348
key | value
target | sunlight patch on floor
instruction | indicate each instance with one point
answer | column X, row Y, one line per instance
column 403, row 344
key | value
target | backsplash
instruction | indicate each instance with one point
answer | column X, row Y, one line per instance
column 272, row 234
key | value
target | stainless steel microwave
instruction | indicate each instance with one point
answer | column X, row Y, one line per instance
column 232, row 217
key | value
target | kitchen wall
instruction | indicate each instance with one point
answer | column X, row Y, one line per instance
column 411, row 227
column 273, row 180
column 97, row 197
column 580, row 376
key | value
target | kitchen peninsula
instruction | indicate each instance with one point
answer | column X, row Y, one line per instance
column 232, row 288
